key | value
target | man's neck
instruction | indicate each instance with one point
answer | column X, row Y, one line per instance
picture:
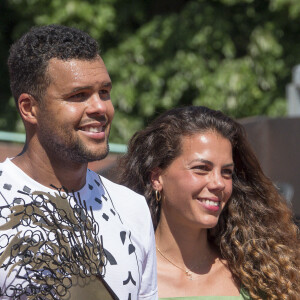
column 48, row 172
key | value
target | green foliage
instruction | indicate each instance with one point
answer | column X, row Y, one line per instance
column 233, row 55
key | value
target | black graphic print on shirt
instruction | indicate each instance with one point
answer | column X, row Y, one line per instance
column 54, row 244
column 128, row 248
column 120, row 256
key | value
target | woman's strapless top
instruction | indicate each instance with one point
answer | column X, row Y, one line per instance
column 243, row 296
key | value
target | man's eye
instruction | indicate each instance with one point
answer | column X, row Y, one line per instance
column 104, row 94
column 78, row 96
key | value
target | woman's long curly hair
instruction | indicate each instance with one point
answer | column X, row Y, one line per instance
column 255, row 233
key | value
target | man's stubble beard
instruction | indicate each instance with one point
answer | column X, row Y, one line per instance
column 70, row 148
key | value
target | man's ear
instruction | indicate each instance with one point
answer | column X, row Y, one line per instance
column 28, row 107
column 156, row 179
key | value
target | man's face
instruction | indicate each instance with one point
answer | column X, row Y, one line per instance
column 75, row 114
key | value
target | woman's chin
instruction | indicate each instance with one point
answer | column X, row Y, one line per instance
column 208, row 223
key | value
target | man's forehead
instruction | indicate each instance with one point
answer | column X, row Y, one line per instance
column 77, row 69
column 73, row 62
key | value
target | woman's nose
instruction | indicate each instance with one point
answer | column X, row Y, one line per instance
column 216, row 181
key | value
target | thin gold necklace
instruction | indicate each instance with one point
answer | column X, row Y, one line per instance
column 187, row 272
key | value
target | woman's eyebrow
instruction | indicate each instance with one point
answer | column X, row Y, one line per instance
column 229, row 165
column 205, row 161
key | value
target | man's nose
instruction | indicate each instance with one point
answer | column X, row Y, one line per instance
column 96, row 105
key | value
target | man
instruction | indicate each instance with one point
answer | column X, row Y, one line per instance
column 65, row 232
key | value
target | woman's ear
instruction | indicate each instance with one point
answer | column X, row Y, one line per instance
column 28, row 107
column 156, row 179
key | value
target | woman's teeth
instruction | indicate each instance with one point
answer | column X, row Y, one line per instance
column 209, row 202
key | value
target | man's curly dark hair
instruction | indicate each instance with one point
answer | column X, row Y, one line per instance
column 29, row 56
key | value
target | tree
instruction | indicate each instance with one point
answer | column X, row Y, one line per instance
column 233, row 55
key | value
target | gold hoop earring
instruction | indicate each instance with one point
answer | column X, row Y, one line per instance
column 157, row 196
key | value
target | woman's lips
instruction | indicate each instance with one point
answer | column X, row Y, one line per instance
column 209, row 204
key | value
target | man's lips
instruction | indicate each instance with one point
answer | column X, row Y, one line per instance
column 93, row 125
column 95, row 130
column 92, row 128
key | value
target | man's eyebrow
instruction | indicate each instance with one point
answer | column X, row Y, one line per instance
column 105, row 84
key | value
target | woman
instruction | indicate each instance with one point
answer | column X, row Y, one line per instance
column 222, row 229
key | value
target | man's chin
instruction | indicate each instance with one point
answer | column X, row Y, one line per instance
column 96, row 156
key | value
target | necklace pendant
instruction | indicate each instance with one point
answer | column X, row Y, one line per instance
column 189, row 274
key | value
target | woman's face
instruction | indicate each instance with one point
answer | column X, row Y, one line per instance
column 198, row 183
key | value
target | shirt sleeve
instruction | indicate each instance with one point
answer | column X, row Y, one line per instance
column 148, row 288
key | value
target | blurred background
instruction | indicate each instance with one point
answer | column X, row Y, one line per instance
column 238, row 56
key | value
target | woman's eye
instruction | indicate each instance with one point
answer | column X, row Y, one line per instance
column 228, row 172
column 201, row 168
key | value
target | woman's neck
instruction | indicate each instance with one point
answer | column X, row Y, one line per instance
column 186, row 246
